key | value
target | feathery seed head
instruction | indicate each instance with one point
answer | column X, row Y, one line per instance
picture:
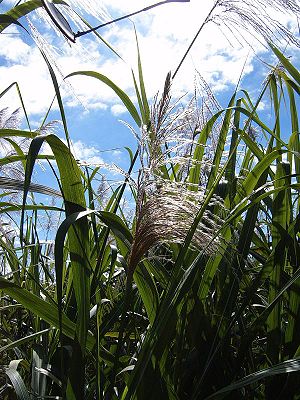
column 240, row 16
column 166, row 208
column 166, row 215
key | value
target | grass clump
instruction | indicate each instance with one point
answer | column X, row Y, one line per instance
column 196, row 296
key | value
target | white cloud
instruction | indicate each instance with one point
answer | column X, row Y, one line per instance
column 116, row 153
column 23, row 64
column 14, row 54
column 118, row 109
column 262, row 106
column 164, row 34
column 98, row 106
column 83, row 152
column 86, row 153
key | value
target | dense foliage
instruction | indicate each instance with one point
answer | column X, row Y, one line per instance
column 196, row 297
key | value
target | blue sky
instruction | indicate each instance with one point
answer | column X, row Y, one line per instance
column 93, row 111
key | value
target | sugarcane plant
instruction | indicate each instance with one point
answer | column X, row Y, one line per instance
column 194, row 297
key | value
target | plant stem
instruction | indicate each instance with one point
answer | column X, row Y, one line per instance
column 78, row 34
column 195, row 37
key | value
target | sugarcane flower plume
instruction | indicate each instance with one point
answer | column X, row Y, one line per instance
column 166, row 206
column 166, row 214
column 254, row 17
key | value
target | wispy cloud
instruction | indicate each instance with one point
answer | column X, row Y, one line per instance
column 82, row 152
column 118, row 109
column 163, row 35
